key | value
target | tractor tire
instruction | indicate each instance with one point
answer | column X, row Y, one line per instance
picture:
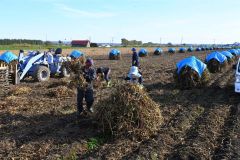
column 64, row 73
column 42, row 74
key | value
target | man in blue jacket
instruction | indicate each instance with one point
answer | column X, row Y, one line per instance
column 86, row 92
column 135, row 58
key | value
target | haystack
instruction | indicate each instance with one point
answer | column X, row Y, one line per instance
column 158, row 51
column 114, row 57
column 215, row 66
column 189, row 78
column 114, row 54
column 129, row 112
column 143, row 53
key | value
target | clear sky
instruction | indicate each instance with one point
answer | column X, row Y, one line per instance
column 194, row 21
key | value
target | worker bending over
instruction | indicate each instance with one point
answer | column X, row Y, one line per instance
column 104, row 73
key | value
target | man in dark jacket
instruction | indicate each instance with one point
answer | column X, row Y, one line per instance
column 104, row 72
column 86, row 91
column 135, row 58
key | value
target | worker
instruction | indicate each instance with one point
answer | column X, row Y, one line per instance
column 134, row 76
column 104, row 72
column 135, row 58
column 86, row 92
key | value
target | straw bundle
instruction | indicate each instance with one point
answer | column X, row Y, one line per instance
column 215, row 66
column 114, row 57
column 129, row 112
column 189, row 78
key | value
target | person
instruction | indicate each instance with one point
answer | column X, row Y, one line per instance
column 104, row 72
column 135, row 58
column 134, row 76
column 89, row 74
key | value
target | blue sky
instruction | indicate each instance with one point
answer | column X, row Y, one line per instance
column 196, row 21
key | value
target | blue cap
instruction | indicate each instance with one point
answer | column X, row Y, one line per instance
column 133, row 49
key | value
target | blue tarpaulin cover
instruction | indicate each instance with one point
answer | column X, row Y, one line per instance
column 216, row 55
column 114, row 52
column 227, row 54
column 76, row 54
column 192, row 62
column 143, row 51
column 8, row 57
column 234, row 51
column 158, row 50
column 171, row 50
column 182, row 49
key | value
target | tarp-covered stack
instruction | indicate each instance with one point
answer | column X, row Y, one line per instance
column 216, row 62
column 182, row 50
column 230, row 57
column 190, row 49
column 8, row 64
column 234, row 52
column 198, row 49
column 143, row 52
column 114, row 54
column 158, row 51
column 171, row 50
column 191, row 72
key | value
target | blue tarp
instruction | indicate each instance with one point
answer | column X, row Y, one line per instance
column 192, row 62
column 190, row 49
column 76, row 54
column 182, row 50
column 159, row 50
column 114, row 52
column 227, row 54
column 142, row 52
column 8, row 57
column 171, row 50
column 198, row 49
column 216, row 55
column 234, row 51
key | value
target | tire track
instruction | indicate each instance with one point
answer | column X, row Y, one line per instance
column 201, row 138
column 169, row 135
column 229, row 145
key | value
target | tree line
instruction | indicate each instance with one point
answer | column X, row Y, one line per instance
column 20, row 41
column 126, row 42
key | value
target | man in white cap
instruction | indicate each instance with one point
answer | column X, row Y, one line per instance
column 134, row 76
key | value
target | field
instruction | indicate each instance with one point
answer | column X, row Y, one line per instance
column 37, row 122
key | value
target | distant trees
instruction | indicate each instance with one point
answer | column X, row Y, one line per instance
column 126, row 42
column 19, row 41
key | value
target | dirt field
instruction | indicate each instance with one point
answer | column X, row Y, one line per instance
column 203, row 123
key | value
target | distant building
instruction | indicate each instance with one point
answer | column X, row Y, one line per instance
column 80, row 43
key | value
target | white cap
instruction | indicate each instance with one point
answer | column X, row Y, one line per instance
column 134, row 72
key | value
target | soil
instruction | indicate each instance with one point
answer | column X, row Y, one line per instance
column 200, row 123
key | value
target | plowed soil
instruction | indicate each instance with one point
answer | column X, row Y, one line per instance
column 201, row 123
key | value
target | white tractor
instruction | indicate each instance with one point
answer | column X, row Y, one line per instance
column 237, row 75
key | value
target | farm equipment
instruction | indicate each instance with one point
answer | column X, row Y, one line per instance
column 41, row 66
